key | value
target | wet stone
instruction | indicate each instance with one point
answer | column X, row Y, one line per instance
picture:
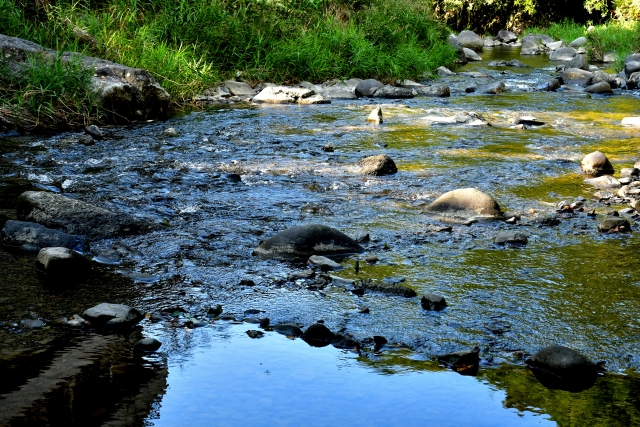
column 562, row 368
column 368, row 87
column 86, row 140
column 30, row 236
column 170, row 132
column 112, row 317
column 94, row 132
column 464, row 362
column 147, row 344
column 464, row 204
column 606, row 181
column 511, row 238
column 324, row 263
column 375, row 116
column 32, row 323
column 378, row 165
column 62, row 265
column 252, row 333
column 318, row 335
column 289, row 329
column 433, row 302
column 614, row 224
column 596, row 163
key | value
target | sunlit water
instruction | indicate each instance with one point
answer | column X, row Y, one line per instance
column 570, row 285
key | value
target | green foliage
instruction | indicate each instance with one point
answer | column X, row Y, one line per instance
column 48, row 91
column 621, row 37
column 567, row 30
column 627, row 9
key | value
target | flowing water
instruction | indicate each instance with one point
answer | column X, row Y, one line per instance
column 570, row 285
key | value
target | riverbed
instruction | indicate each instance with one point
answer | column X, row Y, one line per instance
column 237, row 175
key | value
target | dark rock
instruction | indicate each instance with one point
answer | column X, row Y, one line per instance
column 228, row 317
column 73, row 216
column 62, row 265
column 600, row 88
column 368, row 87
column 304, row 241
column 362, row 236
column 596, row 164
column 492, row 88
column 631, row 66
column 506, row 36
column 345, row 343
column 86, row 140
column 147, row 344
column 578, row 61
column 513, row 63
column 471, row 40
column 559, row 367
column 433, row 302
column 378, row 165
column 255, row 334
column 612, row 224
column 94, row 132
column 547, row 220
column 464, row 362
column 318, row 335
column 437, row 90
column 215, row 311
column 551, row 86
column 403, row 291
column 392, row 92
column 511, row 238
column 464, row 204
column 576, row 76
column 288, row 329
column 33, row 237
column 113, row 317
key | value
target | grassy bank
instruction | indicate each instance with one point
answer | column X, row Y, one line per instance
column 190, row 45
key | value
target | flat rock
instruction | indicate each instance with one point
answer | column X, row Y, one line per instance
column 576, row 76
column 631, row 121
column 510, row 238
column 614, row 223
column 305, row 241
column 74, row 216
column 387, row 289
column 464, row 204
column 368, row 87
column 62, row 265
column 33, row 237
column 514, row 63
column 433, row 302
column 113, row 317
column 285, row 95
column 440, row 90
column 378, row 165
column 597, row 164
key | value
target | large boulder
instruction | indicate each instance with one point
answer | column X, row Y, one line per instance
column 632, row 64
column 562, row 54
column 493, row 88
column 304, row 241
column 576, row 76
column 73, row 216
column 532, row 45
column 562, row 368
column 596, row 163
column 392, row 92
column 62, row 265
column 30, row 236
column 130, row 93
column 377, row 165
column 578, row 61
column 578, row 42
column 469, row 39
column 368, row 87
column 112, row 317
column 506, row 36
column 437, row 90
column 602, row 88
column 464, row 204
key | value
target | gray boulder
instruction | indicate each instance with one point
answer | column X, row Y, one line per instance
column 601, row 76
column 392, row 92
column 602, row 88
column 444, row 72
column 368, row 87
column 580, row 41
column 433, row 302
column 440, row 90
column 506, row 36
column 631, row 67
column 550, row 86
column 131, row 93
column 562, row 368
column 531, row 45
column 614, row 224
column 563, row 54
column 596, row 163
column 605, row 182
column 289, row 95
column 471, row 55
column 469, row 39
column 576, row 76
column 578, row 61
column 62, row 265
column 510, row 238
column 304, row 241
column 377, row 165
column 95, row 132
column 33, row 237
column 113, row 317
column 493, row 88
column 73, row 216
column 464, row 204
column 239, row 88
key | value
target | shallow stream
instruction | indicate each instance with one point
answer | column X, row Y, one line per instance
column 236, row 176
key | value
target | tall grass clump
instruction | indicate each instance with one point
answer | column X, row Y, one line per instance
column 190, row 45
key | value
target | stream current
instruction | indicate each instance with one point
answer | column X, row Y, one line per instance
column 235, row 176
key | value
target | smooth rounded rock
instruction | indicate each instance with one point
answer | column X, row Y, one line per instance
column 147, row 344
column 318, row 335
column 377, row 165
column 596, row 163
column 62, row 265
column 614, row 224
column 562, row 54
column 471, row 55
column 506, row 36
column 368, row 87
column 576, row 76
column 469, row 39
column 464, row 204
column 560, row 367
column 170, row 132
column 602, row 88
column 113, row 317
column 304, row 241
column 578, row 61
column 578, row 42
column 95, row 132
column 605, row 181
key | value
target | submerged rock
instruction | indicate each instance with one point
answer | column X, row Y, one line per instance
column 73, row 216
column 387, row 289
column 147, row 344
column 596, row 163
column 289, row 329
column 62, row 265
column 433, row 302
column 377, row 165
column 464, row 362
column 33, row 237
column 304, row 241
column 113, row 317
column 511, row 238
column 464, row 204
column 318, row 335
column 560, row 367
column 614, row 224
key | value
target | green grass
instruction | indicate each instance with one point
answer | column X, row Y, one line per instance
column 566, row 31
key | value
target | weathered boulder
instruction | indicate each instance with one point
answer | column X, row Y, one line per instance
column 304, row 241
column 614, row 224
column 464, row 204
column 30, row 236
column 433, row 302
column 464, row 362
column 490, row 42
column 375, row 116
column 562, row 54
column 506, row 36
column 113, row 317
column 596, row 163
column 576, row 76
column 368, row 87
column 469, row 39
column 318, row 335
column 532, row 45
column 554, row 45
column 289, row 95
column 633, row 82
column 239, row 88
column 62, row 265
column 131, row 93
column 602, row 88
column 73, row 216
column 601, row 76
column 562, row 368
column 440, row 90
column 510, row 238
column 578, row 61
column 377, row 165
column 392, row 92
column 471, row 55
column 632, row 64
column 340, row 90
